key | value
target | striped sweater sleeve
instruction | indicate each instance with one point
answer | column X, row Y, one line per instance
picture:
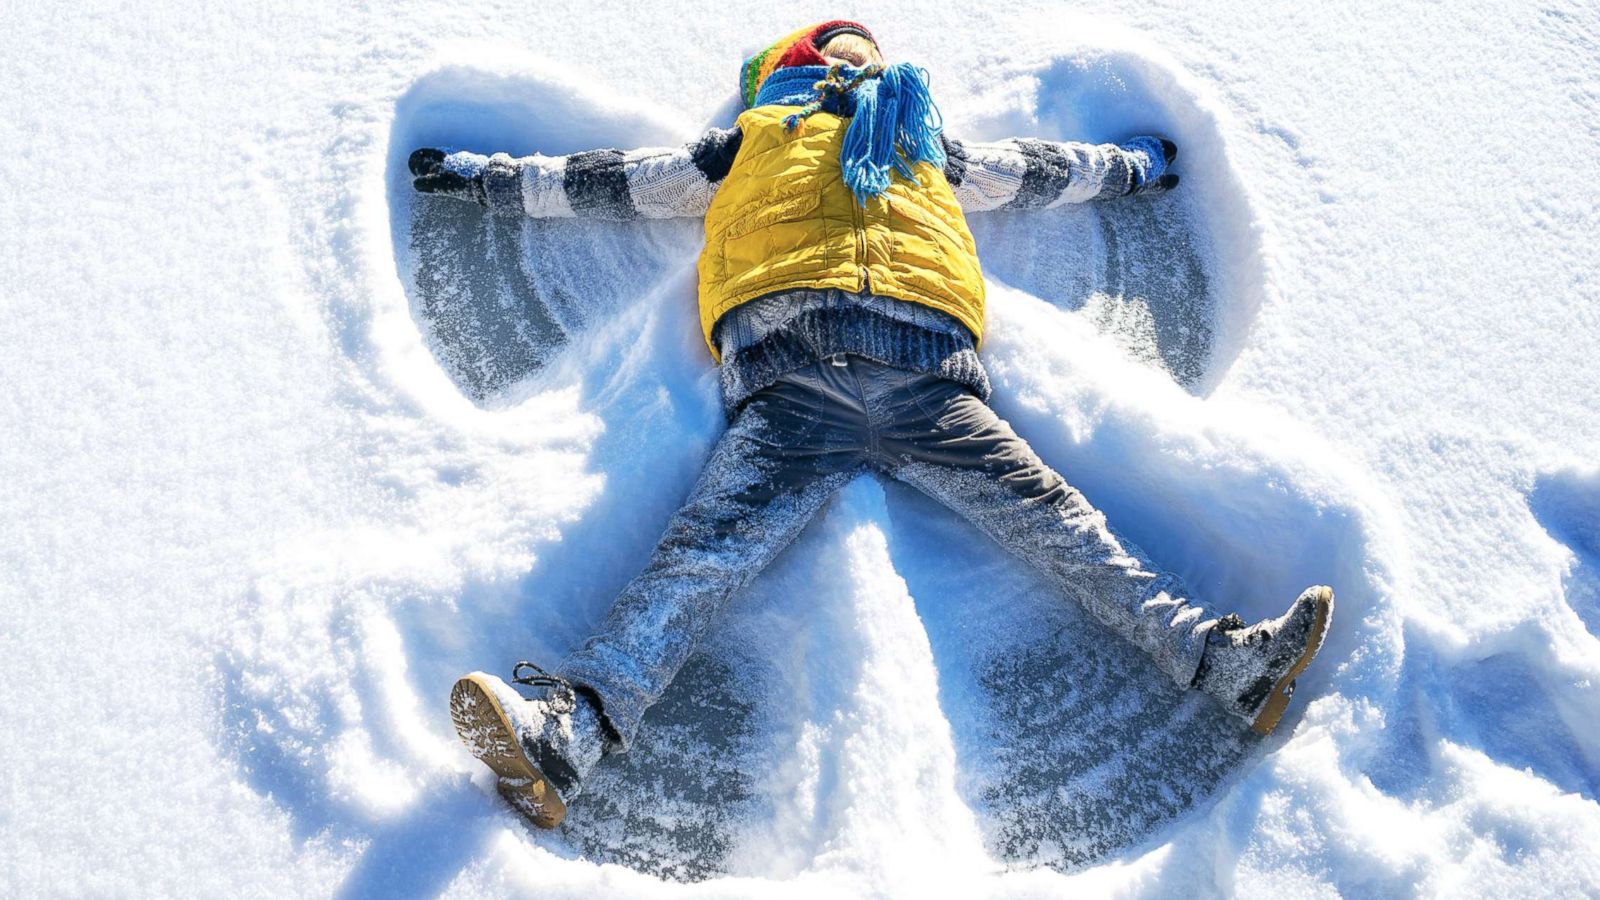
column 1028, row 173
column 649, row 183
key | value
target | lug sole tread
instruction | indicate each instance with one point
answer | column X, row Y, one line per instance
column 484, row 727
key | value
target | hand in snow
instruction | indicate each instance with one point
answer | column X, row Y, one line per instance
column 1148, row 158
column 433, row 173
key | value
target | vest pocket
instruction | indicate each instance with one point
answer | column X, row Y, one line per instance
column 772, row 211
column 904, row 207
column 924, row 246
column 776, row 238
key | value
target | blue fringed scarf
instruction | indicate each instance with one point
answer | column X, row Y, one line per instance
column 894, row 122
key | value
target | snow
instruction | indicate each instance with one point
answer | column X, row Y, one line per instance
column 288, row 449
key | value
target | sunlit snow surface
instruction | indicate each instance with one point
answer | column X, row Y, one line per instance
column 293, row 448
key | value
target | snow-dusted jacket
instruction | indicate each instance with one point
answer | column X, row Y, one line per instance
column 1017, row 173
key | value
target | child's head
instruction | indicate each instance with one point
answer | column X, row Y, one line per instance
column 849, row 47
column 814, row 45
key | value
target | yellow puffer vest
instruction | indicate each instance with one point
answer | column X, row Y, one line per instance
column 784, row 218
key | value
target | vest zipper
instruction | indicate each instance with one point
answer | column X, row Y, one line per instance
column 861, row 244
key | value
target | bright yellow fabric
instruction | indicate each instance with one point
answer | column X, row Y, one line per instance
column 783, row 218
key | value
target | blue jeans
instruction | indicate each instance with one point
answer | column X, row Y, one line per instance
column 796, row 442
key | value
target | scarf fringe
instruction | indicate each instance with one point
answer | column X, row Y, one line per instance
column 894, row 122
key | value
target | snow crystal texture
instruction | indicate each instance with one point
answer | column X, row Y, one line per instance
column 288, row 449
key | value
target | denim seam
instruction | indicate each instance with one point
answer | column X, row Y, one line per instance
column 920, row 399
column 817, row 407
column 874, row 450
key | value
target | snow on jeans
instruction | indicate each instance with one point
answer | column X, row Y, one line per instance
column 802, row 438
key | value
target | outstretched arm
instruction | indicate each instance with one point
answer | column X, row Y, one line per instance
column 1028, row 173
column 652, row 183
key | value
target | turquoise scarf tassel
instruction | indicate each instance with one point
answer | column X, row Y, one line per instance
column 893, row 120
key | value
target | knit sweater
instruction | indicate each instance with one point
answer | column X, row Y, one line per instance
column 661, row 182
column 765, row 338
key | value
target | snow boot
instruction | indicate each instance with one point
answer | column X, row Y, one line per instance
column 539, row 748
column 1250, row 669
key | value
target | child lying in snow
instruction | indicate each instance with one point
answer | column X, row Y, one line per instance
column 841, row 293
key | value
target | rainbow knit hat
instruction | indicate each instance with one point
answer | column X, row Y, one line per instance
column 796, row 49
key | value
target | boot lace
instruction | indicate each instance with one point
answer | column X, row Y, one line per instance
column 1230, row 623
column 566, row 699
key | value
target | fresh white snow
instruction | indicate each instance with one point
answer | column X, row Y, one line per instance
column 287, row 449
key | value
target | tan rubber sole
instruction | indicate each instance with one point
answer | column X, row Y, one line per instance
column 1278, row 701
column 485, row 728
